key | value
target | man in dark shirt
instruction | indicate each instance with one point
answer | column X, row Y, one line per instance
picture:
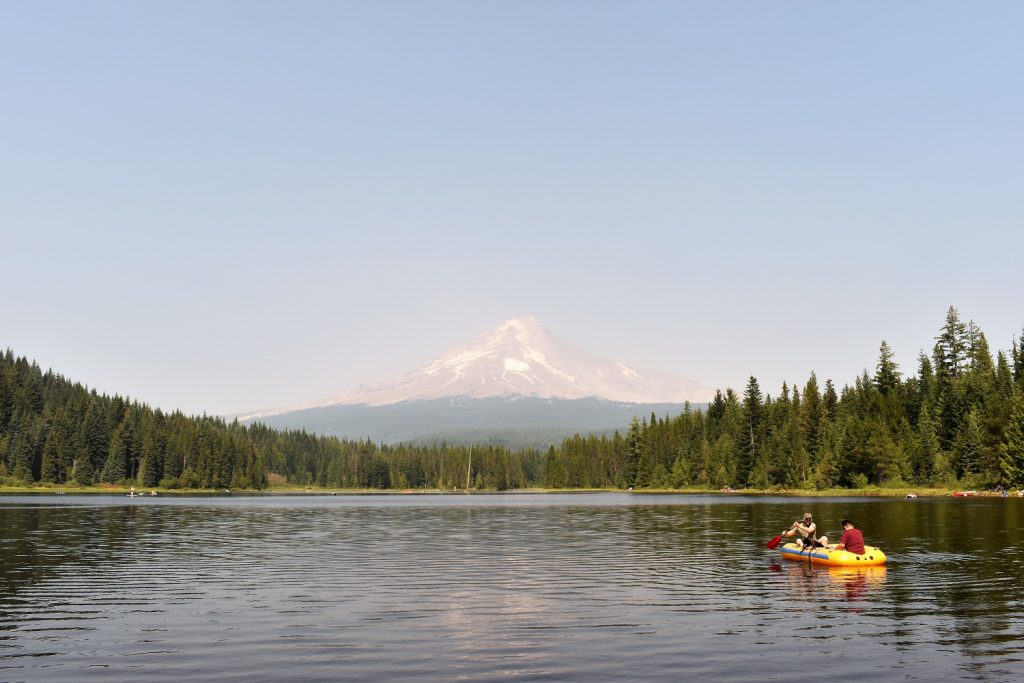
column 852, row 539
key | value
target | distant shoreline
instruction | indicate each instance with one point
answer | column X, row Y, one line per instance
column 868, row 492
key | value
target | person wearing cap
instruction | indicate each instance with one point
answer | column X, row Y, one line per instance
column 806, row 528
column 851, row 540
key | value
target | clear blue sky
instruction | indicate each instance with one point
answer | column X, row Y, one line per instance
column 233, row 205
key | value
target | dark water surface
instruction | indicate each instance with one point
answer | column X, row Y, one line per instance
column 530, row 587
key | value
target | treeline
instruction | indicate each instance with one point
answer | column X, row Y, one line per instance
column 959, row 417
column 56, row 431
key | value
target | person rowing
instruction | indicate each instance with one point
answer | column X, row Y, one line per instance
column 805, row 530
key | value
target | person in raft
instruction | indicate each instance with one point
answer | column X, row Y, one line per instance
column 806, row 529
column 851, row 540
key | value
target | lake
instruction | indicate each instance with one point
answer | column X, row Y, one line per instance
column 574, row 587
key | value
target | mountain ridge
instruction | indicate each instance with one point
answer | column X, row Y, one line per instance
column 513, row 422
column 520, row 357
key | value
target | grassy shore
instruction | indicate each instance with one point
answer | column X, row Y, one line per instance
column 870, row 491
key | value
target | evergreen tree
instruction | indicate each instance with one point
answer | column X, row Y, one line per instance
column 1011, row 460
column 951, row 346
column 927, row 392
column 96, row 443
column 151, row 458
column 967, row 446
column 635, row 453
column 887, row 375
column 50, row 469
column 979, row 355
column 1018, row 360
column 21, row 449
column 928, row 440
column 1004, row 377
column 830, row 400
column 115, row 468
column 748, row 440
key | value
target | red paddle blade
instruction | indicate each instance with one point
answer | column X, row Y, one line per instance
column 774, row 542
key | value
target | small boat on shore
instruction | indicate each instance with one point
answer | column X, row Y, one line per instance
column 872, row 556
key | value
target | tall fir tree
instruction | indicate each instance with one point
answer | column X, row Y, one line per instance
column 951, row 346
column 887, row 374
column 967, row 446
column 1011, row 461
column 830, row 400
column 748, row 441
column 115, row 468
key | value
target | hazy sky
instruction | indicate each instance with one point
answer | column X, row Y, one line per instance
column 221, row 206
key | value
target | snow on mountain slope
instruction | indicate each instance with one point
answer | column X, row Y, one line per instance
column 522, row 358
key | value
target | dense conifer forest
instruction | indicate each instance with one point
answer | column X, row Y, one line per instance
column 955, row 419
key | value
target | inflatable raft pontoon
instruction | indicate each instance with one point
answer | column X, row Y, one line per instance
column 834, row 558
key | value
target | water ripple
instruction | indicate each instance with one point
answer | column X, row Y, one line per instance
column 584, row 588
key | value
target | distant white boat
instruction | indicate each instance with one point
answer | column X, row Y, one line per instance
column 911, row 496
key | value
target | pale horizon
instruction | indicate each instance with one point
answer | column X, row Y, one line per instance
column 246, row 206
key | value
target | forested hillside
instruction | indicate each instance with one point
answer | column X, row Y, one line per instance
column 957, row 417
column 52, row 430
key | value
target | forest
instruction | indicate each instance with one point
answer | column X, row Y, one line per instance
column 956, row 420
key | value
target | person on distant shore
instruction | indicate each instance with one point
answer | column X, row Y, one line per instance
column 807, row 532
column 851, row 540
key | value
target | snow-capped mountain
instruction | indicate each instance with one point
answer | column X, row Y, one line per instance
column 522, row 358
column 516, row 377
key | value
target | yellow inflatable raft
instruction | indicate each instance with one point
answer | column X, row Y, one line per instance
column 872, row 556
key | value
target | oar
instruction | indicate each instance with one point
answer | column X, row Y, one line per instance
column 772, row 544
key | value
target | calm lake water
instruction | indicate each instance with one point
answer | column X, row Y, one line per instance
column 603, row 587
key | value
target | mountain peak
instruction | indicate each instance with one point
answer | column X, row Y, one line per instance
column 523, row 326
column 520, row 357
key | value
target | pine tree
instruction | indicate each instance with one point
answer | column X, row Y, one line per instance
column 926, row 380
column 1004, row 377
column 979, row 355
column 50, row 468
column 96, row 442
column 115, row 468
column 928, row 441
column 20, row 449
column 812, row 413
column 1011, row 460
column 151, row 459
column 83, row 472
column 830, row 400
column 967, row 446
column 887, row 375
column 1017, row 355
column 951, row 346
column 749, row 439
column 635, row 447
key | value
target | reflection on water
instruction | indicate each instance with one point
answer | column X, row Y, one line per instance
column 573, row 587
column 829, row 585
